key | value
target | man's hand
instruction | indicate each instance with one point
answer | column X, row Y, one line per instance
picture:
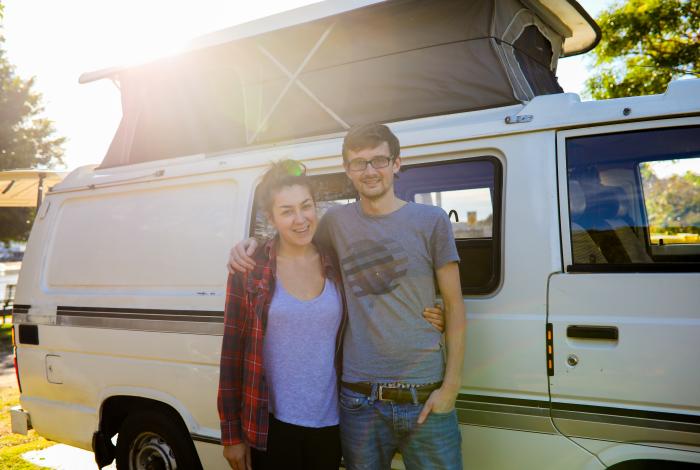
column 238, row 456
column 442, row 400
column 239, row 258
column 435, row 316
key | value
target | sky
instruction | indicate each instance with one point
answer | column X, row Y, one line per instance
column 57, row 41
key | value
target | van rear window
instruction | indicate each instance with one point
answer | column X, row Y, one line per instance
column 634, row 200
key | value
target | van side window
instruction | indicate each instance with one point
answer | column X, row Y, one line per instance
column 634, row 200
column 672, row 201
column 470, row 192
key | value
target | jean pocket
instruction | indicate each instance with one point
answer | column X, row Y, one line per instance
column 351, row 403
column 444, row 413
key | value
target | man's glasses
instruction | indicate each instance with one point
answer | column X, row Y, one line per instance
column 380, row 161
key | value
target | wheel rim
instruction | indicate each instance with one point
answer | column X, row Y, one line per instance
column 149, row 451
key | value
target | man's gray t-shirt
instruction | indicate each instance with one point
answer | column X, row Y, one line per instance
column 388, row 264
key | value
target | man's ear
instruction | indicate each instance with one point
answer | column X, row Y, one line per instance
column 397, row 165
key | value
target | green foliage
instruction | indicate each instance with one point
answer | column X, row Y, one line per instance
column 673, row 203
column 15, row 223
column 11, row 457
column 27, row 139
column 645, row 44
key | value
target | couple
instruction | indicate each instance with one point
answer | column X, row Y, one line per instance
column 289, row 309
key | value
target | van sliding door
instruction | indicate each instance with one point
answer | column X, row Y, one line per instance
column 624, row 314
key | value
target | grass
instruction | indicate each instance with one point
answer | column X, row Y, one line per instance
column 12, row 446
column 5, row 338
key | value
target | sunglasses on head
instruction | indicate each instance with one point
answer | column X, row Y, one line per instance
column 294, row 168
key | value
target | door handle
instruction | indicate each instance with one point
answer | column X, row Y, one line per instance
column 592, row 332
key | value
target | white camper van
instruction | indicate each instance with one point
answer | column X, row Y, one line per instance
column 581, row 280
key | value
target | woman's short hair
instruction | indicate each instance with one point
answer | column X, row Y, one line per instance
column 282, row 174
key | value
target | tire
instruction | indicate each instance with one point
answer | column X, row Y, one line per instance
column 151, row 440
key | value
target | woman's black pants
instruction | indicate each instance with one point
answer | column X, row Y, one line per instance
column 292, row 447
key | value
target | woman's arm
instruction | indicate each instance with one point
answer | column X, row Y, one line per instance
column 231, row 364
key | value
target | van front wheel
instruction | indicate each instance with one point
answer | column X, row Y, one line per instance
column 154, row 441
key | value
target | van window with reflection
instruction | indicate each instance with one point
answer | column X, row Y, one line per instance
column 469, row 191
column 470, row 210
column 672, row 200
column 634, row 198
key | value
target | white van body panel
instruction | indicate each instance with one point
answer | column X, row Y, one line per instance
column 116, row 266
column 657, row 349
column 60, row 421
column 125, row 277
column 614, row 453
column 523, row 450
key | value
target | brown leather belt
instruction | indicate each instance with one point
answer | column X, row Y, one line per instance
column 397, row 393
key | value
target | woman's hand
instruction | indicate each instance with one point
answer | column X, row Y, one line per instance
column 435, row 316
column 238, row 456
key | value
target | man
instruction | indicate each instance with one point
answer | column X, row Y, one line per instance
column 398, row 388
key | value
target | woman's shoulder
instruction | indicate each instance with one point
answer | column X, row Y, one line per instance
column 264, row 251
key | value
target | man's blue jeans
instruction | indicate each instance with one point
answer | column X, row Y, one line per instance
column 371, row 431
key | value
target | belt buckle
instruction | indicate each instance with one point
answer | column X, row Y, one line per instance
column 381, row 387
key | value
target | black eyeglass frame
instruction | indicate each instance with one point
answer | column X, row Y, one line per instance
column 372, row 161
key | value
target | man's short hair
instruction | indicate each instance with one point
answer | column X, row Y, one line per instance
column 370, row 136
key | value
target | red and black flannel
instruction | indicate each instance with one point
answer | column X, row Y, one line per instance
column 243, row 393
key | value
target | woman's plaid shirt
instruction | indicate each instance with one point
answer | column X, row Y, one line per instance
column 243, row 393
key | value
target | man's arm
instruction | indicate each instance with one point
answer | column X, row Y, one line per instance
column 443, row 399
column 240, row 258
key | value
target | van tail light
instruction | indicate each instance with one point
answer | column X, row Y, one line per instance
column 19, row 385
column 14, row 352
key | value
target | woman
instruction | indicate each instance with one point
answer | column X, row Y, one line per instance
column 284, row 322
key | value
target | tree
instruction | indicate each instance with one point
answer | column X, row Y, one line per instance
column 673, row 203
column 27, row 139
column 645, row 44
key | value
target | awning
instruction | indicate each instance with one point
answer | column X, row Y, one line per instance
column 25, row 188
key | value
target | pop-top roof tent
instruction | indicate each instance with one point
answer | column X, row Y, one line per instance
column 320, row 69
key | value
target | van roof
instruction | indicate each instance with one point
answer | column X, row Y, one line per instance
column 558, row 111
column 327, row 67
column 580, row 31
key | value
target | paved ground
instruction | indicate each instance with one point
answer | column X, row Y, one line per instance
column 63, row 457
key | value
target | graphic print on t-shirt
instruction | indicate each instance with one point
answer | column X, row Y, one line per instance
column 374, row 267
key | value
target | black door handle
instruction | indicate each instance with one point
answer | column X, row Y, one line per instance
column 592, row 332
